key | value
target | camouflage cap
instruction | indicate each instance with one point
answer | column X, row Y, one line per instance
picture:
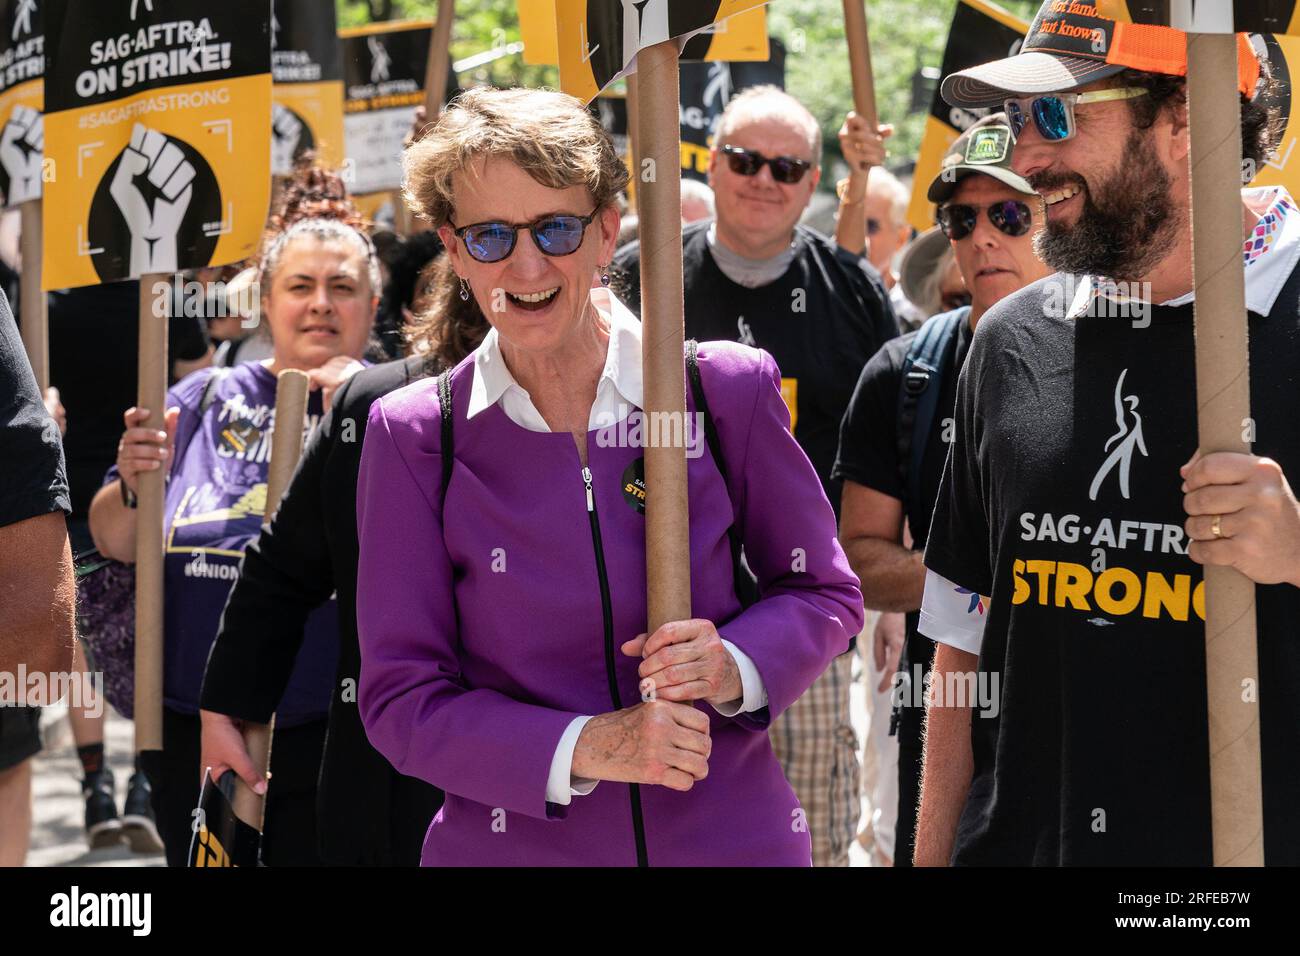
column 984, row 148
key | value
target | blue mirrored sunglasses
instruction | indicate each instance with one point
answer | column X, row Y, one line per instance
column 1053, row 115
column 493, row 241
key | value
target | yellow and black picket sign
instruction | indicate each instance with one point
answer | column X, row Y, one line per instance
column 22, row 162
column 742, row 37
column 22, row 100
column 980, row 32
column 158, row 136
column 598, row 42
column 384, row 67
column 307, row 68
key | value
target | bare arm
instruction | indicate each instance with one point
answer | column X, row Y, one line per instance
column 948, row 764
column 112, row 524
column 36, row 595
column 871, row 533
column 862, row 150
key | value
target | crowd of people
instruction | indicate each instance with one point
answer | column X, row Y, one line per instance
column 968, row 457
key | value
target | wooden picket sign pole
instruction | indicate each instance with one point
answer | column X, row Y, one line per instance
column 668, row 564
column 435, row 91
column 1223, row 413
column 151, row 394
column 33, row 318
column 286, row 449
column 851, row 231
column 435, row 70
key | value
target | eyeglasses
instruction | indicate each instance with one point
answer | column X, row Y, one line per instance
column 1011, row 217
column 747, row 162
column 554, row 235
column 1053, row 115
column 873, row 226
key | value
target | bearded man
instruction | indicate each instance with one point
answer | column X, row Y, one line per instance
column 1068, row 721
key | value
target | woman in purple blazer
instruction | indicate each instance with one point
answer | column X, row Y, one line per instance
column 500, row 617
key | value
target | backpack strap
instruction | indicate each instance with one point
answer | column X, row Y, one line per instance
column 924, row 370
column 210, row 388
column 209, row 398
column 448, row 436
column 745, row 584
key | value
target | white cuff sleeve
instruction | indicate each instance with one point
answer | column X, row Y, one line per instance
column 953, row 615
column 755, row 694
column 561, row 787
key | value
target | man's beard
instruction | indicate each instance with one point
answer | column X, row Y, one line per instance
column 1129, row 222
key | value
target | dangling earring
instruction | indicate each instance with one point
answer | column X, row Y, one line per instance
column 464, row 290
column 604, row 276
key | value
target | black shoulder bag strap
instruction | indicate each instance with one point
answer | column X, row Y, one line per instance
column 448, row 455
column 745, row 584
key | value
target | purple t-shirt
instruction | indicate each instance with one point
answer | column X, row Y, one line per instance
column 216, row 495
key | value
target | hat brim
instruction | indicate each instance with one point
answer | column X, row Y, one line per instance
column 919, row 260
column 945, row 184
column 1025, row 74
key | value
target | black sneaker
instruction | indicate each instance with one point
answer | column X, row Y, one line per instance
column 103, row 828
column 138, row 828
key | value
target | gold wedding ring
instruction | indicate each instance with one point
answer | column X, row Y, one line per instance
column 1215, row 527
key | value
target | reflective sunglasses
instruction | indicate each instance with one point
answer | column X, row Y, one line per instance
column 1053, row 115
column 555, row 236
column 1011, row 217
column 746, row 162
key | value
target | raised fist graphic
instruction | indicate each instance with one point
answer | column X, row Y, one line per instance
column 22, row 145
column 152, row 188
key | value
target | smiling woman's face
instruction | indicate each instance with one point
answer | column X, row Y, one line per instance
column 499, row 190
column 319, row 303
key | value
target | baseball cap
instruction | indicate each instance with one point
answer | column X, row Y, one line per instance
column 1069, row 45
column 984, row 148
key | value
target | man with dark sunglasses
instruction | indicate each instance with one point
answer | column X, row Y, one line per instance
column 1064, row 581
column 756, row 276
column 896, row 432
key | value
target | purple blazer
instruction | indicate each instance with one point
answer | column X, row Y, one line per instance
column 484, row 631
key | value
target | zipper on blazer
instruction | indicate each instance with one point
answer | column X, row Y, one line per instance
column 607, row 609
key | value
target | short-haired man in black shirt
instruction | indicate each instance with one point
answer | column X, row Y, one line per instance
column 990, row 215
column 1072, row 495
column 755, row 276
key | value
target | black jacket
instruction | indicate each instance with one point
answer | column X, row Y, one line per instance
column 367, row 813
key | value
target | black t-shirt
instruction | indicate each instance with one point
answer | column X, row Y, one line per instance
column 821, row 322
column 868, row 451
column 1061, row 499
column 94, row 343
column 32, row 481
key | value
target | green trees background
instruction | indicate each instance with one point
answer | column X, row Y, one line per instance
column 906, row 35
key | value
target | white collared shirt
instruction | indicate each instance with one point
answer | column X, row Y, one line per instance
column 1270, row 254
column 617, row 393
